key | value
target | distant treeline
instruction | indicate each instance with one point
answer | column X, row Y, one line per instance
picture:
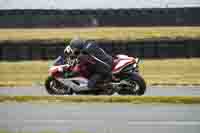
column 100, row 17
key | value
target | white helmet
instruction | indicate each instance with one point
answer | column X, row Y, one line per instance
column 68, row 50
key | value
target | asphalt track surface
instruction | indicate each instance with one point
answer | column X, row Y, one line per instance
column 151, row 91
column 99, row 118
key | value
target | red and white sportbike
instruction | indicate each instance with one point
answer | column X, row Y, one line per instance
column 125, row 79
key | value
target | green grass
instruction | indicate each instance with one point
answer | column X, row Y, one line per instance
column 103, row 33
column 23, row 73
column 6, row 131
column 155, row 72
column 104, row 99
column 171, row 71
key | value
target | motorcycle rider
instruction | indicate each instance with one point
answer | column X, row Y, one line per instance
column 99, row 63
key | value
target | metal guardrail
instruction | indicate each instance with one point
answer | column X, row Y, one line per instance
column 100, row 17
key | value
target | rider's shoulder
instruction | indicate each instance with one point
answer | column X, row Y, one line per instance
column 89, row 43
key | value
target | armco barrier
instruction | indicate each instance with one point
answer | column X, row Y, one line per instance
column 143, row 49
column 101, row 17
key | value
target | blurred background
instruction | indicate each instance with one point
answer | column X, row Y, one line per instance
column 165, row 34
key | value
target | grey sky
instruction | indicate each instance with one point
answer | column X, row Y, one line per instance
column 94, row 4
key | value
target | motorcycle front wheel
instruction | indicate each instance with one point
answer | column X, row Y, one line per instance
column 54, row 87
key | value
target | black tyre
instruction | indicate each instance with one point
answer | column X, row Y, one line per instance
column 54, row 87
column 139, row 85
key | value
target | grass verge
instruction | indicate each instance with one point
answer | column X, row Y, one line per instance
column 6, row 131
column 104, row 99
column 103, row 33
column 155, row 72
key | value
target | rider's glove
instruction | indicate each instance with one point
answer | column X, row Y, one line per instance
column 60, row 69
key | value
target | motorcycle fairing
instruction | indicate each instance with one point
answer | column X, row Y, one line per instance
column 121, row 62
column 77, row 83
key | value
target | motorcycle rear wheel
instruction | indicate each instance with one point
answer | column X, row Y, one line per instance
column 135, row 85
column 139, row 84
